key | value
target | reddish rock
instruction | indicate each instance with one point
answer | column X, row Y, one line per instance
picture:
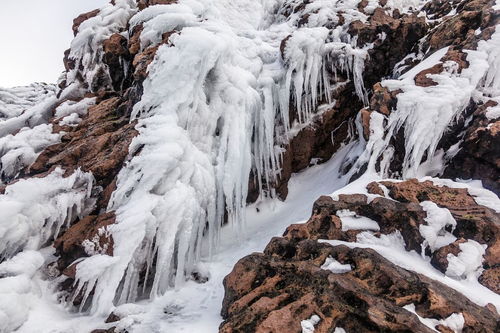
column 479, row 155
column 116, row 54
column 134, row 42
column 490, row 278
column 383, row 100
column 274, row 291
column 83, row 17
column 440, row 257
column 459, row 29
column 99, row 144
column 88, row 234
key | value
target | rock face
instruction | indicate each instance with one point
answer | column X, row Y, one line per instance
column 291, row 281
column 297, row 276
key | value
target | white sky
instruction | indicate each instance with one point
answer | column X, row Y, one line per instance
column 33, row 37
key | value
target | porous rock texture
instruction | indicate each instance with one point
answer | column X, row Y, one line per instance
column 275, row 290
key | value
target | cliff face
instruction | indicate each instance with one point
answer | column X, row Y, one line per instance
column 174, row 120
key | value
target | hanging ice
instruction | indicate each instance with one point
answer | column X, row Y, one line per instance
column 215, row 106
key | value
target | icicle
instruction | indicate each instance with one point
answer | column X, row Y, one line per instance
column 215, row 107
column 33, row 210
column 86, row 49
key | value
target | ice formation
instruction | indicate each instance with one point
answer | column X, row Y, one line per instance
column 425, row 113
column 13, row 101
column 214, row 102
column 216, row 106
column 455, row 321
column 438, row 220
column 468, row 263
column 86, row 48
column 34, row 210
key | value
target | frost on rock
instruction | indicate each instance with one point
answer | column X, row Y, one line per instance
column 352, row 221
column 13, row 101
column 21, row 150
column 86, row 49
column 16, row 289
column 426, row 113
column 34, row 210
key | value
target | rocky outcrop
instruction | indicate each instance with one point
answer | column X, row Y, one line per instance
column 82, row 18
column 291, row 281
column 274, row 291
column 317, row 142
column 479, row 156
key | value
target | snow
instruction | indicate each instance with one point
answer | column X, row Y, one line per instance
column 21, row 150
column 13, row 101
column 475, row 188
column 195, row 307
column 334, row 266
column 425, row 113
column 86, row 47
column 493, row 112
column 16, row 287
column 438, row 219
column 352, row 221
column 455, row 321
column 468, row 263
column 218, row 75
column 71, row 107
column 35, row 209
column 392, row 247
column 308, row 324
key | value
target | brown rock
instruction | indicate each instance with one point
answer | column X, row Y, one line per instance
column 99, row 144
column 490, row 278
column 281, row 288
column 83, row 17
column 440, row 257
column 479, row 155
column 91, row 229
column 365, row 120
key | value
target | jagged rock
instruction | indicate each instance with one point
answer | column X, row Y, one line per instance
column 83, row 17
column 84, row 238
column 274, row 291
column 400, row 35
column 459, row 29
column 491, row 278
column 116, row 52
column 479, row 156
column 440, row 257
column 269, row 291
column 318, row 141
column 134, row 42
column 98, row 144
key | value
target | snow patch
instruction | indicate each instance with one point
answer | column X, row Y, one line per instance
column 308, row 324
column 334, row 266
column 352, row 221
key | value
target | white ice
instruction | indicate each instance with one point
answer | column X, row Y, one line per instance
column 334, row 266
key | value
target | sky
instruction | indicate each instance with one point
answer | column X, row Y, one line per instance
column 33, row 37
